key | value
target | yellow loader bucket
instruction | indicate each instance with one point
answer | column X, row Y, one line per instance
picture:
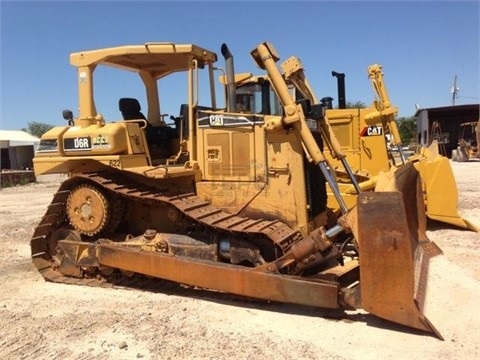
column 439, row 186
column 394, row 249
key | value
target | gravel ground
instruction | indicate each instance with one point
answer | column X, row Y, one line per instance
column 41, row 320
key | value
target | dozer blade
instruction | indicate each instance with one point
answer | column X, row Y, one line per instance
column 394, row 249
column 440, row 188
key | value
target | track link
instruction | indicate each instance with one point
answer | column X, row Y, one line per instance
column 189, row 205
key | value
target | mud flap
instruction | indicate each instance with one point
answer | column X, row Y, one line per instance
column 394, row 249
column 440, row 187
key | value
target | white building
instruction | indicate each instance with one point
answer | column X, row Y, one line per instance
column 17, row 149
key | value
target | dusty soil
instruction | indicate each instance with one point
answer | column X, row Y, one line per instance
column 41, row 320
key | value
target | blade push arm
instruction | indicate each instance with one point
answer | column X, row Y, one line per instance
column 294, row 72
column 266, row 56
column 383, row 105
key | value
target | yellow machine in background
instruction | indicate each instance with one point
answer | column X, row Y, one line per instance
column 468, row 143
column 362, row 140
column 362, row 134
column 224, row 198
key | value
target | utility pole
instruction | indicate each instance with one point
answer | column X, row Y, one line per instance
column 454, row 90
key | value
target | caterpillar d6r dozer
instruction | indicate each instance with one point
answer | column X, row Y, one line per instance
column 222, row 199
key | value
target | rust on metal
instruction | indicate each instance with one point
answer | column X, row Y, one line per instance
column 393, row 266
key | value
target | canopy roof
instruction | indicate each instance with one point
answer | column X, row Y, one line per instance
column 10, row 138
column 157, row 58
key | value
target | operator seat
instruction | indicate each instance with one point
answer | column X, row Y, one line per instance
column 130, row 109
column 183, row 120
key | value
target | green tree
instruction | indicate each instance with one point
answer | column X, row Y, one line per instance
column 355, row 105
column 407, row 127
column 37, row 128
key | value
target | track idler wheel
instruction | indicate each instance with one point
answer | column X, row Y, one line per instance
column 88, row 209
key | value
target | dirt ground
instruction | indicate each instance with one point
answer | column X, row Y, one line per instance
column 41, row 320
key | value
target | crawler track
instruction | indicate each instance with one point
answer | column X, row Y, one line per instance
column 189, row 205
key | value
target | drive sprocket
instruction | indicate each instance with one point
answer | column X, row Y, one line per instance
column 88, row 209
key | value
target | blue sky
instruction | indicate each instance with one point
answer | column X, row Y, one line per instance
column 422, row 45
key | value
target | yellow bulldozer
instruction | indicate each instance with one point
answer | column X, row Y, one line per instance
column 364, row 133
column 370, row 140
column 223, row 199
column 468, row 143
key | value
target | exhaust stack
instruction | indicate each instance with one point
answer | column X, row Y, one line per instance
column 342, row 102
column 230, row 72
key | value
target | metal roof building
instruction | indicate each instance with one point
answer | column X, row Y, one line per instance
column 443, row 124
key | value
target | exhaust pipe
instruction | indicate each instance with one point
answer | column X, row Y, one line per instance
column 342, row 102
column 230, row 72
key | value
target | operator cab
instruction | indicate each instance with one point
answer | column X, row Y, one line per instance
column 152, row 62
column 163, row 141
